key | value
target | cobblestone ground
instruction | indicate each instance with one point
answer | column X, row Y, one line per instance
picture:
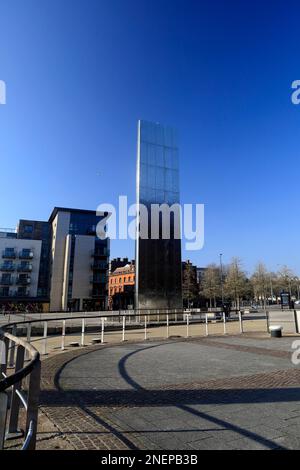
column 240, row 392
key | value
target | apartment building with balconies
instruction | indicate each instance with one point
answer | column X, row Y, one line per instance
column 19, row 266
column 79, row 261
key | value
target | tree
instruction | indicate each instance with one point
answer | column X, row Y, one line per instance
column 235, row 282
column 211, row 284
column 190, row 288
column 260, row 282
column 286, row 278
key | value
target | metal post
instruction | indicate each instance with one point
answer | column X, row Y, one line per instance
column 102, row 330
column 33, row 402
column 12, row 347
column 145, row 327
column 167, row 325
column 224, row 322
column 63, row 334
column 45, row 338
column 221, row 275
column 187, row 324
column 123, row 329
column 28, row 340
column 82, row 331
column 241, row 322
column 3, row 356
column 28, row 332
column 206, row 325
column 3, row 416
column 13, row 430
column 267, row 319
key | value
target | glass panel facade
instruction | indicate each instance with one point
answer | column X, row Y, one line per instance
column 158, row 261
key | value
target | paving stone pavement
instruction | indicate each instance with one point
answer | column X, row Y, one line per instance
column 209, row 393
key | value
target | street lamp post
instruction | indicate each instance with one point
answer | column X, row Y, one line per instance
column 221, row 274
column 271, row 285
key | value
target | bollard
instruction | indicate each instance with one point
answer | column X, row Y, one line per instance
column 45, row 338
column 102, row 330
column 224, row 322
column 167, row 325
column 123, row 328
column 206, row 325
column 187, row 325
column 145, row 327
column 63, row 334
column 82, row 331
column 241, row 322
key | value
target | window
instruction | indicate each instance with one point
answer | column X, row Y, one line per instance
column 26, row 253
column 6, row 279
column 28, row 228
column 9, row 253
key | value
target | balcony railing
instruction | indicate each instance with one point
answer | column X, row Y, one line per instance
column 26, row 268
column 8, row 254
column 25, row 254
column 19, row 293
column 5, row 293
column 7, row 267
column 103, row 266
column 24, row 281
column 97, row 280
column 6, row 282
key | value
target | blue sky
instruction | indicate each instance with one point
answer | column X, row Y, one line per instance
column 80, row 74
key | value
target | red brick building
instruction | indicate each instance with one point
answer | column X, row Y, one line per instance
column 121, row 287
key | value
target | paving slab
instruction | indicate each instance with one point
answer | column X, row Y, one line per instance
column 184, row 394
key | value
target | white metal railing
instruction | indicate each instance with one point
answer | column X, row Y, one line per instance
column 17, row 350
column 82, row 325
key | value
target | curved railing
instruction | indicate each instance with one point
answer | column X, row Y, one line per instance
column 20, row 361
column 19, row 386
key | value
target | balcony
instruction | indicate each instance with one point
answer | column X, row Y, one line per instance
column 5, row 293
column 9, row 254
column 23, row 281
column 104, row 253
column 96, row 294
column 6, row 282
column 25, row 268
column 26, row 254
column 97, row 265
column 7, row 267
column 98, row 280
column 21, row 293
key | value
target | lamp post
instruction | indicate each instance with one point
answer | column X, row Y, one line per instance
column 271, row 285
column 221, row 274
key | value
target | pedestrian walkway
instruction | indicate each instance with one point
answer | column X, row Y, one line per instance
column 238, row 392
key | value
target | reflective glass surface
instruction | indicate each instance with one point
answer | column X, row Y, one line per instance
column 158, row 279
